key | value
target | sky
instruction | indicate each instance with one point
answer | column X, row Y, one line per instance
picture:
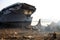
column 46, row 10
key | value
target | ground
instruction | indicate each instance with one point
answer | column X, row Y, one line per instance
column 18, row 34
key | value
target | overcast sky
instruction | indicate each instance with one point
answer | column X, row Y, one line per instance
column 46, row 9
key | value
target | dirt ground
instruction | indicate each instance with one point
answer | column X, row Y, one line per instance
column 17, row 34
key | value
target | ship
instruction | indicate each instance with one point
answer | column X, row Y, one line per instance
column 16, row 15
